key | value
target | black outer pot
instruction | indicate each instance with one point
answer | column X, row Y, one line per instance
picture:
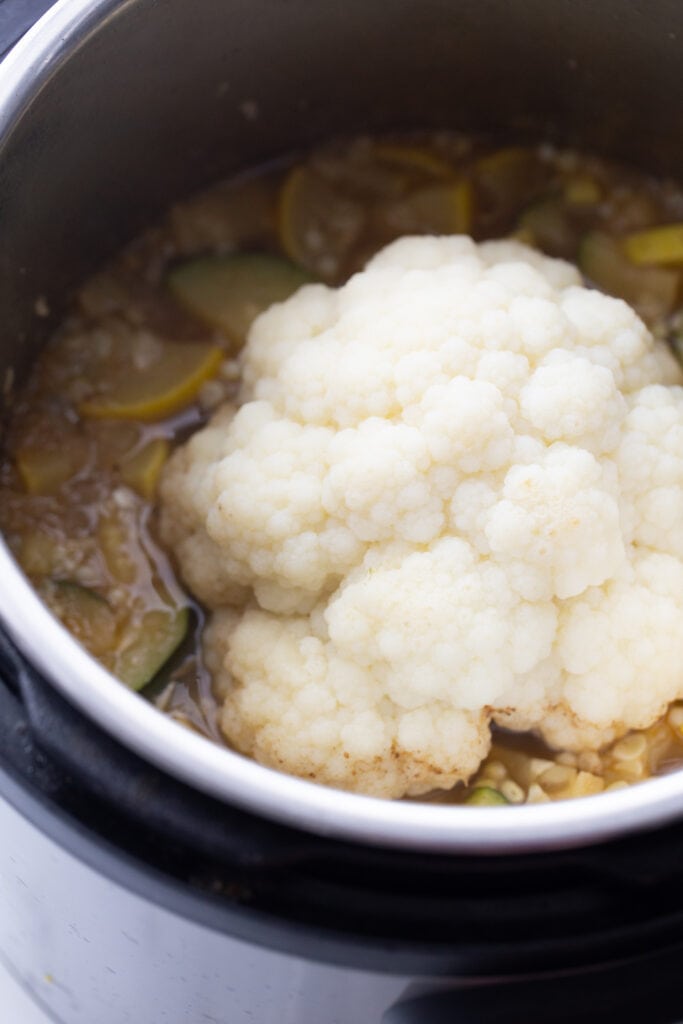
column 539, row 937
column 600, row 931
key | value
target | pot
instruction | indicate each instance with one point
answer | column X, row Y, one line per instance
column 139, row 103
column 220, row 872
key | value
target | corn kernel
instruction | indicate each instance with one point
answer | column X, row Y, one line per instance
column 590, row 761
column 675, row 718
column 495, row 770
column 512, row 791
column 536, row 795
column 538, row 765
column 629, row 771
column 587, row 784
column 619, row 784
column 557, row 778
column 630, row 748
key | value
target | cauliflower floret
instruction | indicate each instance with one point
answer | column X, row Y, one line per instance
column 305, row 707
column 450, row 495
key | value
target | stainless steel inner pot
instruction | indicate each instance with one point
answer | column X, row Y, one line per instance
column 110, row 109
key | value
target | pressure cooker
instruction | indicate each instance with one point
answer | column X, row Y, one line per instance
column 146, row 874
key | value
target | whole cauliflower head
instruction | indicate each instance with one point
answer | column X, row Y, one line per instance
column 450, row 493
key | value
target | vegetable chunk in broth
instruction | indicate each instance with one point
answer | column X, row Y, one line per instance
column 151, row 347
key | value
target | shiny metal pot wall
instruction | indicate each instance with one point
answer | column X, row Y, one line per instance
column 109, row 110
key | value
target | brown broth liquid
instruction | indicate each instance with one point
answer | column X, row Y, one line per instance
column 77, row 489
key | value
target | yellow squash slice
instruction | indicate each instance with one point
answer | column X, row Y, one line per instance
column 416, row 160
column 582, row 191
column 166, row 385
column 443, row 209
column 317, row 224
column 142, row 470
column 44, row 470
column 324, row 213
column 655, row 245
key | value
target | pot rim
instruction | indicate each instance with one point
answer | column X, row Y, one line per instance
column 223, row 773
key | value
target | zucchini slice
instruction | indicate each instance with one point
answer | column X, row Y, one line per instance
column 149, row 645
column 227, row 293
column 550, row 225
column 84, row 612
column 486, row 796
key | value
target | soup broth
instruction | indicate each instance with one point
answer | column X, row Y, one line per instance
column 150, row 348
